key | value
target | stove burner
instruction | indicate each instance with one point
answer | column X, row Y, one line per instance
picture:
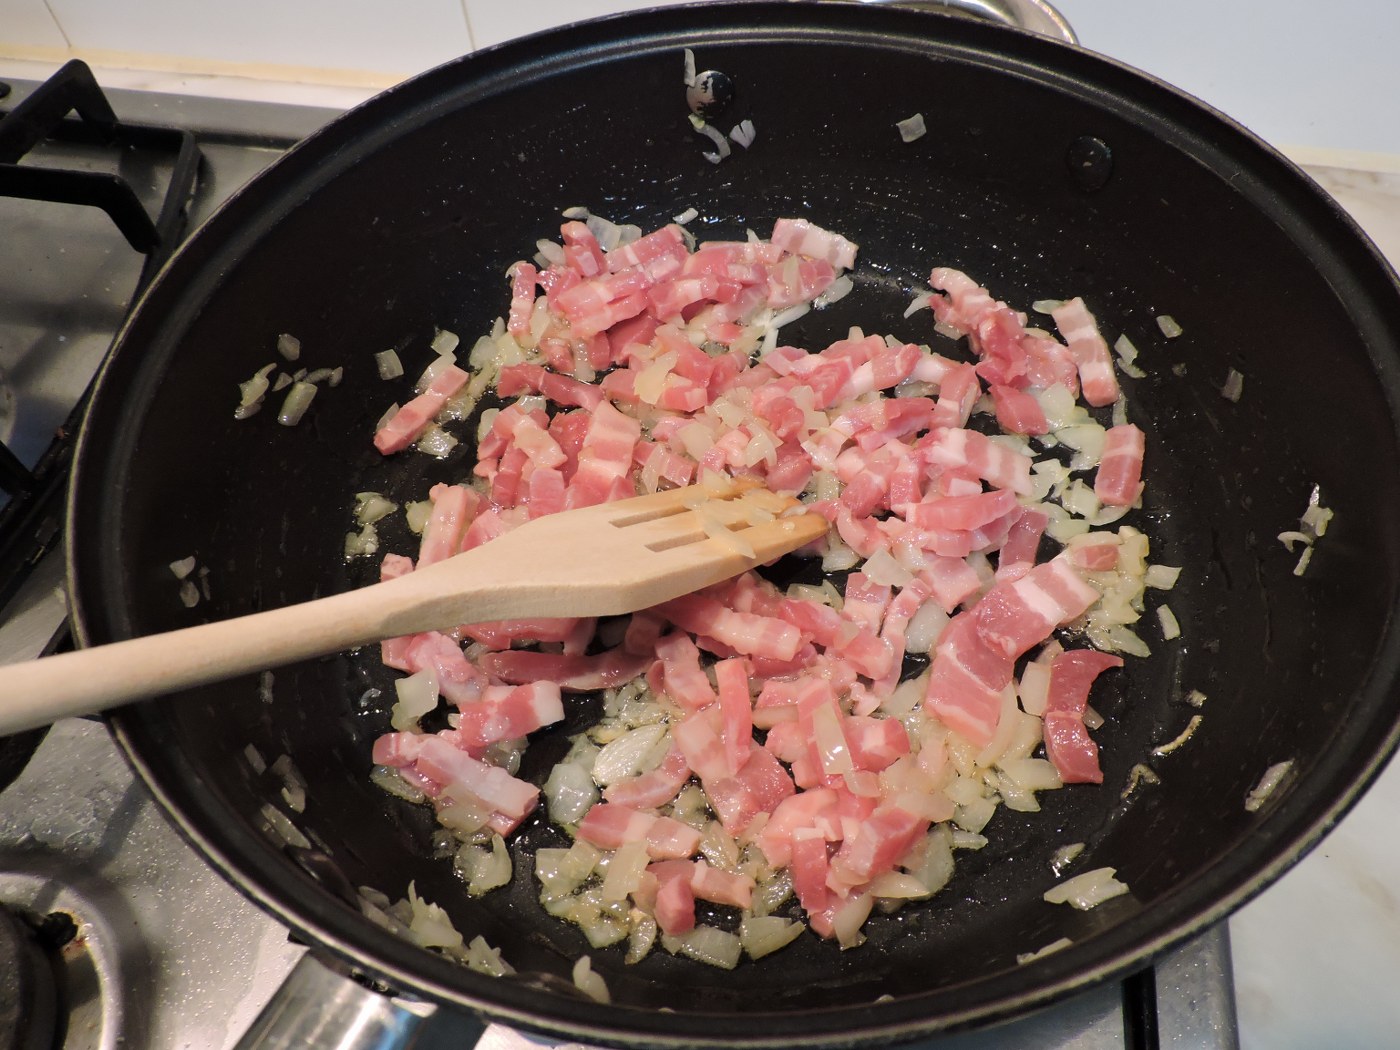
column 29, row 998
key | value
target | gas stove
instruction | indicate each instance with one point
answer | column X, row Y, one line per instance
column 116, row 932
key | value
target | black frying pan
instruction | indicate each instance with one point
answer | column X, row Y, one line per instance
column 1047, row 172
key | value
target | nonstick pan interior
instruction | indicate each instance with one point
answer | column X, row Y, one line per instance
column 1046, row 173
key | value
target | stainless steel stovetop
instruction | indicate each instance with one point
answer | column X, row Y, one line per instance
column 160, row 951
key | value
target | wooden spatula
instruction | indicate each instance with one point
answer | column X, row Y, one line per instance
column 597, row 561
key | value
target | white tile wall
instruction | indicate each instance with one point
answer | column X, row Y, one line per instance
column 28, row 24
column 367, row 36
column 493, row 21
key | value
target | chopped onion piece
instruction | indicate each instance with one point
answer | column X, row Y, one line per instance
column 686, row 216
column 418, row 695
column 298, row 401
column 444, row 342
column 1170, row 627
column 1268, row 784
column 1161, row 577
column 431, row 927
column 762, row 935
column 389, row 365
column 589, row 982
column 911, row 128
column 706, row 944
column 1234, row 386
column 569, row 793
column 1063, row 857
column 1087, row 890
column 1168, row 325
column 289, row 346
column 743, row 133
column 1181, row 738
column 1053, row 946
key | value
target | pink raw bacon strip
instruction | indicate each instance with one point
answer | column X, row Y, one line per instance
column 744, row 632
column 576, row 674
column 406, row 425
column 801, row 237
column 524, row 278
column 505, row 713
column 454, row 507
column 1067, row 742
column 966, row 681
column 1119, row 480
column 1090, row 352
column 1017, row 615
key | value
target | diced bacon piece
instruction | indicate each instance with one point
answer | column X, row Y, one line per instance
column 931, row 368
column 775, row 703
column 644, row 630
column 1067, row 742
column 801, row 237
column 962, row 513
column 745, row 632
column 809, row 867
column 502, row 431
column 759, row 787
column 910, row 598
column 966, row 681
column 545, row 492
column 1072, row 675
column 458, row 678
column 957, row 394
column 1089, row 351
column 563, row 390
column 1014, row 616
column 670, row 298
column 590, row 309
column 653, row 788
column 681, row 675
column 1095, row 556
column 574, row 673
column 663, row 463
column 875, row 742
column 669, row 839
column 951, row 581
column 865, row 602
column 887, row 367
column 397, row 750
column 736, row 710
column 1018, row 412
column 966, row 303
column 881, row 841
column 698, row 735
column 605, row 458
column 651, row 251
column 1070, row 749
column 1048, row 363
column 675, row 900
column 721, row 887
column 523, row 280
column 505, row 486
column 798, row 280
column 581, row 250
column 393, row 652
column 1018, row 553
column 999, row 340
column 610, row 825
column 406, row 425
column 458, row 772
column 504, row 713
column 1119, row 480
column 623, row 336
column 485, row 527
column 811, row 810
column 998, row 465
